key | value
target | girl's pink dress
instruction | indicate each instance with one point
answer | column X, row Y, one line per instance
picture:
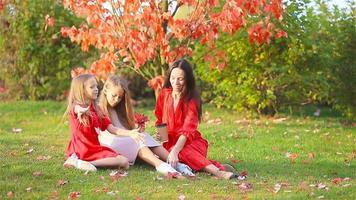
column 183, row 121
column 84, row 139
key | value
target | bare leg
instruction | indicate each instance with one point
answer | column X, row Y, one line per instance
column 146, row 155
column 212, row 169
column 161, row 152
column 118, row 161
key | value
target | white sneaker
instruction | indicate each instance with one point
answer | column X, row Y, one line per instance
column 73, row 161
column 184, row 169
column 166, row 168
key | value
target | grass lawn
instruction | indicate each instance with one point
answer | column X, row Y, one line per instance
column 300, row 157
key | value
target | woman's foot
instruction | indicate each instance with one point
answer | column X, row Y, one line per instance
column 225, row 175
column 229, row 168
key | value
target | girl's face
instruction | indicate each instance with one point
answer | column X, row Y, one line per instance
column 114, row 95
column 91, row 89
column 177, row 80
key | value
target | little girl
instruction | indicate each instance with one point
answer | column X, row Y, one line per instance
column 115, row 102
column 85, row 118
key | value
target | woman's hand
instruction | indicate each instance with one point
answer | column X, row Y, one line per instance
column 137, row 136
column 173, row 158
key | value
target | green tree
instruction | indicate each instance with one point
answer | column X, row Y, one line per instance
column 36, row 63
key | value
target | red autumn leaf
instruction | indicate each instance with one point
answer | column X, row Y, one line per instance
column 140, row 120
column 141, row 40
column 54, row 196
column 2, row 90
column 244, row 173
column 156, row 82
column 74, row 195
column 10, row 194
column 280, row 34
column 337, row 180
column 61, row 182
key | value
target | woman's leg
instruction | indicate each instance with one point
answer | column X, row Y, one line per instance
column 118, row 161
column 212, row 169
column 161, row 152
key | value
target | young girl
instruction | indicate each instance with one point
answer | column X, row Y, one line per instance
column 84, row 150
column 115, row 102
column 178, row 106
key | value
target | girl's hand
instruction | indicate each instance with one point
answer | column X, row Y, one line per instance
column 141, row 129
column 137, row 136
column 173, row 158
column 80, row 112
column 158, row 137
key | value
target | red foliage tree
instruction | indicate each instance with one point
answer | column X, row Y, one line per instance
column 147, row 35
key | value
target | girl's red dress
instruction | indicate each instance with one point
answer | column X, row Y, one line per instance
column 84, row 139
column 183, row 121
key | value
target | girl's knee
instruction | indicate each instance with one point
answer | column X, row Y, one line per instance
column 124, row 162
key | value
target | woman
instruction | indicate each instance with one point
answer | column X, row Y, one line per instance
column 179, row 107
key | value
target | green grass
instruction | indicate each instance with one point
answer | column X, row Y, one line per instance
column 258, row 147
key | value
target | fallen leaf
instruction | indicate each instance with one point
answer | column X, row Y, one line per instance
column 74, row 195
column 54, row 196
column 347, row 185
column 245, row 187
column 181, row 197
column 16, row 130
column 104, row 189
column 30, row 151
column 117, row 174
column 29, row 189
column 337, row 180
column 303, row 186
column 43, row 157
column 10, row 194
column 321, row 197
column 279, row 120
column 61, row 182
column 276, row 188
column 216, row 121
column 37, row 173
column 311, row 155
column 275, row 149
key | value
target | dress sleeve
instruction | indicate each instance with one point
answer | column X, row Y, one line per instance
column 191, row 121
column 159, row 108
column 105, row 122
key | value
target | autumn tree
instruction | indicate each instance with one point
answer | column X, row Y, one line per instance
column 147, row 35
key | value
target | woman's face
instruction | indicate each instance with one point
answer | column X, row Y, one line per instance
column 114, row 95
column 91, row 88
column 177, row 80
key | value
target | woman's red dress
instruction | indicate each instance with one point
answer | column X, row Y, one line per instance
column 183, row 121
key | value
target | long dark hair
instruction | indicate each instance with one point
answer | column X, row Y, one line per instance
column 189, row 91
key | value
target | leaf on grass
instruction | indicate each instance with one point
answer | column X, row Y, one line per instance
column 321, row 197
column 37, row 174
column 279, row 120
column 311, row 155
column 216, row 121
column 104, row 189
column 30, row 150
column 16, row 130
column 10, row 194
column 181, row 197
column 245, row 187
column 303, row 186
column 74, row 195
column 337, row 180
column 117, row 174
column 29, row 189
column 43, row 157
column 61, row 182
column 54, row 195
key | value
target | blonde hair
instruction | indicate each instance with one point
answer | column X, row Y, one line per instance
column 124, row 109
column 77, row 95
